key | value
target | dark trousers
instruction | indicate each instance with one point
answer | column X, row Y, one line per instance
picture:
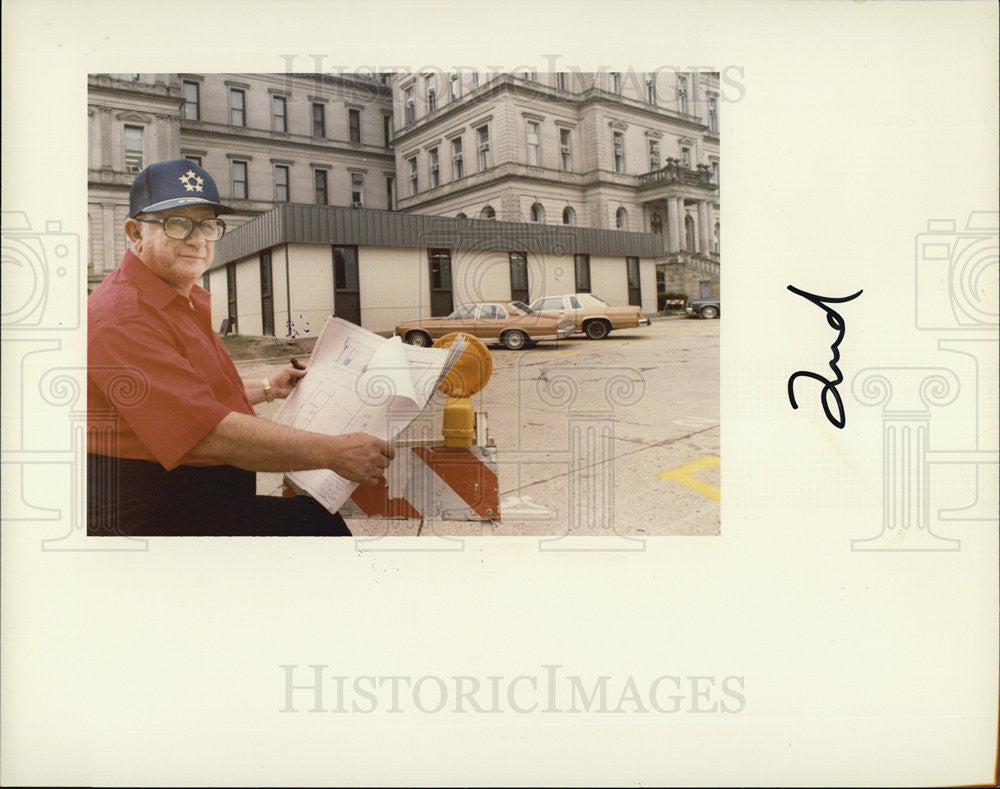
column 139, row 498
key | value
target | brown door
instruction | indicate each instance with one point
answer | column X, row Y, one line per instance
column 346, row 285
column 441, row 288
column 518, row 277
column 266, row 294
column 231, row 296
column 634, row 288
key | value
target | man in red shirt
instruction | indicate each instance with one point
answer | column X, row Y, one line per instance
column 172, row 438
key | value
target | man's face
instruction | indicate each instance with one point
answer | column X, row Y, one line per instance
column 178, row 263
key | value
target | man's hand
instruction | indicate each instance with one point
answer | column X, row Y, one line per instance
column 283, row 381
column 362, row 458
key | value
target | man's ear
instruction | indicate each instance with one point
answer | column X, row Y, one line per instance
column 133, row 232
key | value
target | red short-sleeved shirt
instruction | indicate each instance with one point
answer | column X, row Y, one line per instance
column 158, row 378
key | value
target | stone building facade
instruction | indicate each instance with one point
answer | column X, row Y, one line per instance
column 625, row 151
column 266, row 138
column 616, row 150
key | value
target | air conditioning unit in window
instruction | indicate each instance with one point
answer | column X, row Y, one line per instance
column 357, row 204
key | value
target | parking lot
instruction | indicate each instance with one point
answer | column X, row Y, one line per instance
column 611, row 437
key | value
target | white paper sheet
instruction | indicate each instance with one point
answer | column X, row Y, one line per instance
column 359, row 382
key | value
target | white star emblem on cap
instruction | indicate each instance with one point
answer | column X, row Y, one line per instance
column 186, row 178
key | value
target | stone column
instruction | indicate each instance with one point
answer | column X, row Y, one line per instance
column 704, row 242
column 710, row 230
column 107, row 163
column 672, row 229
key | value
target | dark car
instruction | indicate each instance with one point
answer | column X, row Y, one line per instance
column 703, row 308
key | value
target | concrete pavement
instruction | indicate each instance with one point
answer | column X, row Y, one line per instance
column 613, row 437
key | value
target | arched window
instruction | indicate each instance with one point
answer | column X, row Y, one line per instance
column 715, row 239
column 537, row 212
column 689, row 233
column 621, row 219
column 461, row 215
column 488, row 213
column 569, row 216
column 655, row 223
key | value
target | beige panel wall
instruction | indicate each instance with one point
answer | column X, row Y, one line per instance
column 395, row 286
column 248, row 296
column 647, row 280
column 480, row 275
column 558, row 276
column 538, row 266
column 220, row 300
column 311, row 269
column 609, row 279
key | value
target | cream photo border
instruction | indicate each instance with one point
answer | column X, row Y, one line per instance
column 852, row 593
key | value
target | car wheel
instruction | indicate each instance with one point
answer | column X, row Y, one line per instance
column 418, row 338
column 710, row 312
column 597, row 330
column 514, row 340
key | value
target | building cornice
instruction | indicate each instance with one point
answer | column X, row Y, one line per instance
column 508, row 83
column 170, row 98
column 356, row 83
column 219, row 131
column 598, row 96
column 552, row 178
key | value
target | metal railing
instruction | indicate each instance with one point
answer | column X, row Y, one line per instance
column 674, row 172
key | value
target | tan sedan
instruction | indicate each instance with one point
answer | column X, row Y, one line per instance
column 510, row 323
column 590, row 314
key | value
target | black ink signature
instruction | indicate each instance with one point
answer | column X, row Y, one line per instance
column 839, row 419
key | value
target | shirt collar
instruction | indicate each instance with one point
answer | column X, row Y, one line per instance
column 152, row 289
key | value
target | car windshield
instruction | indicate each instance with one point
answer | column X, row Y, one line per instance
column 547, row 304
column 520, row 308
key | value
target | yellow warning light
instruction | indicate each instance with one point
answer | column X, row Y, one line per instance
column 473, row 369
column 470, row 374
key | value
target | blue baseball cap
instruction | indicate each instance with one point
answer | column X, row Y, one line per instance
column 177, row 182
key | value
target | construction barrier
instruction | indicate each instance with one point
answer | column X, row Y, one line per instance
column 433, row 481
column 454, row 479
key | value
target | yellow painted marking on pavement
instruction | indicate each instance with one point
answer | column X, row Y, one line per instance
column 682, row 474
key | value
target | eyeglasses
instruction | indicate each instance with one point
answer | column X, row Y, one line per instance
column 180, row 227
